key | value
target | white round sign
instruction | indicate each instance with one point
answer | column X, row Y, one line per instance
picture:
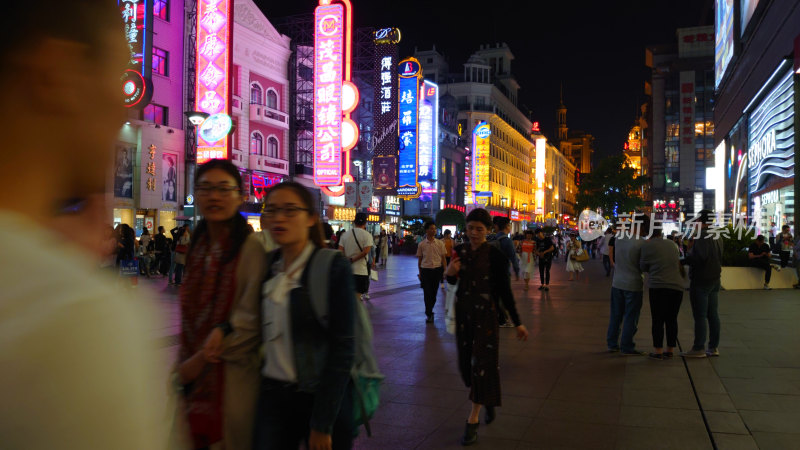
column 591, row 225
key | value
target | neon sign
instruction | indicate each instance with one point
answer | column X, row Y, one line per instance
column 428, row 138
column 480, row 160
column 215, row 128
column 410, row 74
column 212, row 94
column 335, row 97
column 383, row 143
column 137, row 17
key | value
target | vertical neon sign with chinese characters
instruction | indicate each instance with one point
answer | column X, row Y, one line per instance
column 137, row 19
column 541, row 155
column 212, row 94
column 428, row 138
column 410, row 73
column 328, row 67
column 480, row 160
column 335, row 96
column 385, row 132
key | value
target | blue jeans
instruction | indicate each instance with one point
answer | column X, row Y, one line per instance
column 705, row 301
column 625, row 309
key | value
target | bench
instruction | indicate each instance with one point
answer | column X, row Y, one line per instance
column 735, row 278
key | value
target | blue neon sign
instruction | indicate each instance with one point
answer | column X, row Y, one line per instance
column 408, row 139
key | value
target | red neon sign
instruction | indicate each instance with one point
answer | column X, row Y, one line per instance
column 535, row 127
column 212, row 94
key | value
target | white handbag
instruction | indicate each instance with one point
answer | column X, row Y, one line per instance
column 450, row 308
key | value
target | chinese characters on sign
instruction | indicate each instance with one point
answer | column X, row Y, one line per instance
column 384, row 140
column 213, row 67
column 328, row 67
column 428, row 138
column 408, row 140
column 719, row 226
column 480, row 160
column 687, row 128
column 137, row 16
column 151, row 169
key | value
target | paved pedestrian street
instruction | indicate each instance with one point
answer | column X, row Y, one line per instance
column 562, row 390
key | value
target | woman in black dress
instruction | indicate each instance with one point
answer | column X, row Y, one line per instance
column 483, row 275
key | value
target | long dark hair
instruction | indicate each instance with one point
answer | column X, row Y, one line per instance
column 314, row 231
column 237, row 224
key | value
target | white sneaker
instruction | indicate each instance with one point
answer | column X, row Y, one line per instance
column 767, row 288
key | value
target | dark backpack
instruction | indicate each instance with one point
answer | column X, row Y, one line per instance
column 365, row 374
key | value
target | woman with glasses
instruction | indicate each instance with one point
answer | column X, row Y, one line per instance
column 483, row 280
column 224, row 262
column 305, row 388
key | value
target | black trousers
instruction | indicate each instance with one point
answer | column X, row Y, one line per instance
column 763, row 263
column 284, row 416
column 664, row 307
column 430, row 287
column 544, row 270
column 607, row 264
column 784, row 258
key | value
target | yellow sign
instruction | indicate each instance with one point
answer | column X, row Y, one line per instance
column 344, row 214
column 373, row 218
column 480, row 158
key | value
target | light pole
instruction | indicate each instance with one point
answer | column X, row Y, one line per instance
column 196, row 118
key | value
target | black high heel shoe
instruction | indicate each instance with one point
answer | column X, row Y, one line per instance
column 470, row 434
column 490, row 415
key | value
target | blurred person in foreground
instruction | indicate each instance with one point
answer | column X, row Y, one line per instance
column 224, row 269
column 78, row 366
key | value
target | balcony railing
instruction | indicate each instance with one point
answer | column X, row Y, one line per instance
column 269, row 164
column 238, row 105
column 269, row 115
column 237, row 157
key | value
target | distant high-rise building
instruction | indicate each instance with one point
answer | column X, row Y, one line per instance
column 681, row 121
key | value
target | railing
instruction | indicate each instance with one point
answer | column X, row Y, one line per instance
column 238, row 105
column 269, row 164
column 237, row 157
column 269, row 115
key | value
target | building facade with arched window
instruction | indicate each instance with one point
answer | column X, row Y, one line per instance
column 260, row 103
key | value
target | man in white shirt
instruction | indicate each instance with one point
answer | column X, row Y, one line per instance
column 356, row 245
column 431, row 253
column 78, row 367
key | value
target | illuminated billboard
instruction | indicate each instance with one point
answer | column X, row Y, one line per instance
column 328, row 68
column 541, row 157
column 385, row 132
column 480, row 160
column 137, row 19
column 212, row 96
column 770, row 154
column 747, row 8
column 409, row 72
column 723, row 42
column 335, row 97
column 428, row 138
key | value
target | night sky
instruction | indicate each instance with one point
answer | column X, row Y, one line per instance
column 595, row 48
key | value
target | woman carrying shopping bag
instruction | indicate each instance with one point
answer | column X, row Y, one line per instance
column 482, row 273
column 575, row 255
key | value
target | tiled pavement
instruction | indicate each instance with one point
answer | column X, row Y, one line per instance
column 561, row 390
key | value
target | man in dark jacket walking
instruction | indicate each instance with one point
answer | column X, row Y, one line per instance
column 704, row 259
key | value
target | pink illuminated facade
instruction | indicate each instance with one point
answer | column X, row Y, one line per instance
column 259, row 102
column 147, row 186
column 213, row 69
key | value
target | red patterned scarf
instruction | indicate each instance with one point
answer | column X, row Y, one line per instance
column 206, row 300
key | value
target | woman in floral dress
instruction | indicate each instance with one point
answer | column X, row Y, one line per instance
column 483, row 277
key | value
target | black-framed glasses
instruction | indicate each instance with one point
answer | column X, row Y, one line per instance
column 289, row 211
column 208, row 189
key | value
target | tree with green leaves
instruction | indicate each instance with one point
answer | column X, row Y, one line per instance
column 613, row 186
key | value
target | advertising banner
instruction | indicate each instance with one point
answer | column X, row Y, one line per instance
column 384, row 142
column 409, row 71
column 771, row 135
column 350, row 195
column 365, row 194
column 169, row 176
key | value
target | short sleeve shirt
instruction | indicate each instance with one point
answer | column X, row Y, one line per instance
column 348, row 242
column 432, row 253
column 756, row 249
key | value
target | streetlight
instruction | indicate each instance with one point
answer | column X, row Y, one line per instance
column 196, row 117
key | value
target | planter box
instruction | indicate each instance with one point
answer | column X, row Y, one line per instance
column 735, row 278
